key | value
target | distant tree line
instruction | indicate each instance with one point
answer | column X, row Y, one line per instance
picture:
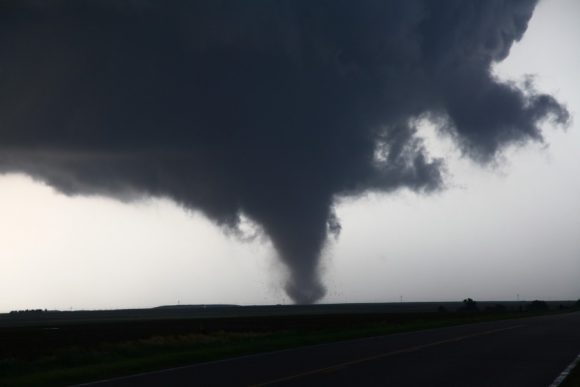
column 28, row 311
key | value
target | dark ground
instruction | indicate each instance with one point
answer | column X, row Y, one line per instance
column 522, row 352
column 36, row 333
column 55, row 348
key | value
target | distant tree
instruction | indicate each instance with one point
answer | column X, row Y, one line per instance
column 469, row 305
column 537, row 306
column 577, row 304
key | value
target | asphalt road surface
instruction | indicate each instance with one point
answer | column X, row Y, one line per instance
column 522, row 352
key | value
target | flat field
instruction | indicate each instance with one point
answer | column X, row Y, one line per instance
column 56, row 348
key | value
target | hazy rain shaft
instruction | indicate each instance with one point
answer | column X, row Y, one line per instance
column 268, row 110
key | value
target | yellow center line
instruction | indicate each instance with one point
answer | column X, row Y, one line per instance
column 380, row 356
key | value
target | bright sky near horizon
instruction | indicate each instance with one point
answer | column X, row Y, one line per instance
column 493, row 233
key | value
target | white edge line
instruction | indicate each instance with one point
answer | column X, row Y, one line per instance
column 564, row 375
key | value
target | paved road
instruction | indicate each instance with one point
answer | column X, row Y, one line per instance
column 524, row 352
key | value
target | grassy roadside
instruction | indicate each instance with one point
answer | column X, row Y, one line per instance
column 75, row 364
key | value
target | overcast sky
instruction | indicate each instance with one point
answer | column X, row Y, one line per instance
column 511, row 228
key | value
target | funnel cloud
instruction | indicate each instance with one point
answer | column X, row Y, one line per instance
column 268, row 110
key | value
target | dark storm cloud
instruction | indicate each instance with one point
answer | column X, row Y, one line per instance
column 270, row 109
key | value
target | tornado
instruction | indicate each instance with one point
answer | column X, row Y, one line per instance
column 270, row 110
